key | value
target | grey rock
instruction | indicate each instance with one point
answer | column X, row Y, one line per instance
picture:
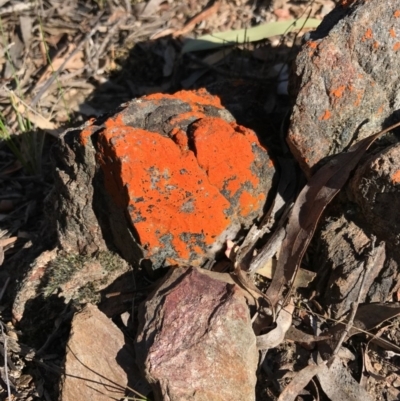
column 346, row 80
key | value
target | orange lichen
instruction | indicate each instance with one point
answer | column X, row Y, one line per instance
column 115, row 122
column 396, row 177
column 392, row 33
column 376, row 45
column 249, row 203
column 339, row 91
column 368, row 35
column 346, row 3
column 216, row 143
column 194, row 98
column 396, row 46
column 326, row 116
column 86, row 133
column 165, row 192
column 181, row 190
column 359, row 98
column 180, row 138
column 380, row 110
column 312, row 44
column 397, row 13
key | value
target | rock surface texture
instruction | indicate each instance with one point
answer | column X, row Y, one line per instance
column 346, row 80
column 196, row 341
column 187, row 176
column 98, row 362
column 344, row 254
column 375, row 187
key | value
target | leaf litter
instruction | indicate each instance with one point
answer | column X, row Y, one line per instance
column 49, row 81
column 334, row 378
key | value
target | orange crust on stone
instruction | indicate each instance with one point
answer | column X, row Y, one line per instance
column 176, row 194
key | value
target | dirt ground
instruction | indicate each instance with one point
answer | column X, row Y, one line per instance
column 63, row 62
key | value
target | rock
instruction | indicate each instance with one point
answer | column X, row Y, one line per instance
column 196, row 341
column 31, row 283
column 70, row 276
column 375, row 187
column 184, row 173
column 346, row 80
column 98, row 364
column 343, row 253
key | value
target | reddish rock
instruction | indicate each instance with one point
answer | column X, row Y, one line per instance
column 186, row 174
column 346, row 74
column 196, row 340
column 98, row 363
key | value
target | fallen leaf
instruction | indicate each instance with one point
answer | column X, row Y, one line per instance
column 7, row 241
column 338, row 384
column 368, row 367
column 276, row 336
column 303, row 278
column 299, row 336
column 25, row 24
column 252, row 34
column 201, row 16
column 299, row 381
column 150, row 8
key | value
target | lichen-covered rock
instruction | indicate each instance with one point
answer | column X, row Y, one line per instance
column 195, row 339
column 187, row 176
column 348, row 74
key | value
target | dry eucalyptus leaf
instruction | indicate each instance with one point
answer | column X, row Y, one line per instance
column 299, row 381
column 303, row 278
column 339, row 385
column 7, row 241
column 276, row 336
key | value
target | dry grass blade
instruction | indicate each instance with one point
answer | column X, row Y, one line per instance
column 207, row 12
column 311, row 202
